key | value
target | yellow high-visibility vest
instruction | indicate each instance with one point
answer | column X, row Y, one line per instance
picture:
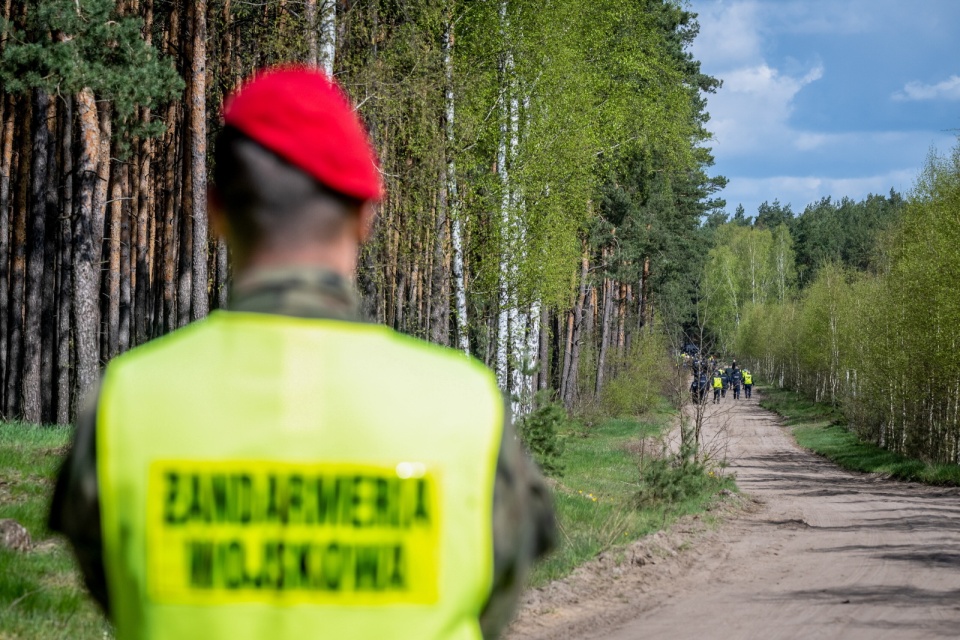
column 264, row 476
column 747, row 377
column 717, row 382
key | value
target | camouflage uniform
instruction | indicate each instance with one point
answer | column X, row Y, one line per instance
column 523, row 520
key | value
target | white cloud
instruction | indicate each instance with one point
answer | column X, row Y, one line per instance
column 799, row 191
column 728, row 32
column 948, row 89
column 750, row 113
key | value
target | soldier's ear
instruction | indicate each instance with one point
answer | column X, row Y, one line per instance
column 217, row 214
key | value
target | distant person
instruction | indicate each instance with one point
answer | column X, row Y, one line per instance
column 736, row 379
column 725, row 378
column 698, row 387
column 747, row 383
column 281, row 469
column 717, row 386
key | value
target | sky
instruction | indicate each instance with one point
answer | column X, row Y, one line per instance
column 828, row 97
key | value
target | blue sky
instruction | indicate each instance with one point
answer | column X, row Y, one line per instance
column 828, row 97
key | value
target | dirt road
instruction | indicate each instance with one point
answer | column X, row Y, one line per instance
column 823, row 554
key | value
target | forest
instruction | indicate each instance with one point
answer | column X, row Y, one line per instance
column 854, row 304
column 547, row 166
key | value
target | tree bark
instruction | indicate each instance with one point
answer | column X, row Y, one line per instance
column 65, row 296
column 604, row 333
column 88, row 239
column 544, row 356
column 200, row 301
column 310, row 13
column 328, row 28
column 113, row 270
column 18, row 272
column 440, row 278
column 126, row 297
column 6, row 168
column 145, row 212
column 571, row 356
column 458, row 270
column 48, row 324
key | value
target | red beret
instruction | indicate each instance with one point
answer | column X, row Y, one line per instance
column 304, row 117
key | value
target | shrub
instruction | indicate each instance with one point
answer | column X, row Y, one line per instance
column 540, row 431
column 671, row 478
column 636, row 387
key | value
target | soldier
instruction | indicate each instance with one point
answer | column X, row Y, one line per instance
column 747, row 383
column 281, row 466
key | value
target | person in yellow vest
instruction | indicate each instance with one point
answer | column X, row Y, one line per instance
column 747, row 383
column 717, row 386
column 282, row 469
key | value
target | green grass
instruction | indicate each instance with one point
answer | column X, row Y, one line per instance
column 596, row 496
column 40, row 591
column 822, row 429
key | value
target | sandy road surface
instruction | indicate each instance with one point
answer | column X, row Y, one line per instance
column 823, row 554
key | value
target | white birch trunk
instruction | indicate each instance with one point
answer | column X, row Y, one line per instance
column 328, row 32
column 503, row 310
column 456, row 233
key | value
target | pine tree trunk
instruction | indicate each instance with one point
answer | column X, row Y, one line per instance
column 440, row 278
column 32, row 345
column 145, row 212
column 113, row 271
column 571, row 356
column 621, row 317
column 126, row 297
column 65, row 287
column 48, row 323
column 6, row 167
column 170, row 253
column 100, row 203
column 18, row 271
column 200, row 300
column 88, row 238
column 223, row 274
column 604, row 334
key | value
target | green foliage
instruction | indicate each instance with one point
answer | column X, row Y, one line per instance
column 675, row 478
column 641, row 373
column 878, row 342
column 747, row 266
column 541, row 431
column 68, row 45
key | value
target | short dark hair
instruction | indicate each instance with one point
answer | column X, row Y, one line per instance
column 270, row 201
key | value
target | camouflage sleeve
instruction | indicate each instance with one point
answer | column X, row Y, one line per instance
column 75, row 508
column 524, row 529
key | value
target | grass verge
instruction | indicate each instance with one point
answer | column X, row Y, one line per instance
column 822, row 429
column 40, row 591
column 596, row 496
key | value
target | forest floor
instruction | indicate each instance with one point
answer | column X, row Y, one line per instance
column 808, row 550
